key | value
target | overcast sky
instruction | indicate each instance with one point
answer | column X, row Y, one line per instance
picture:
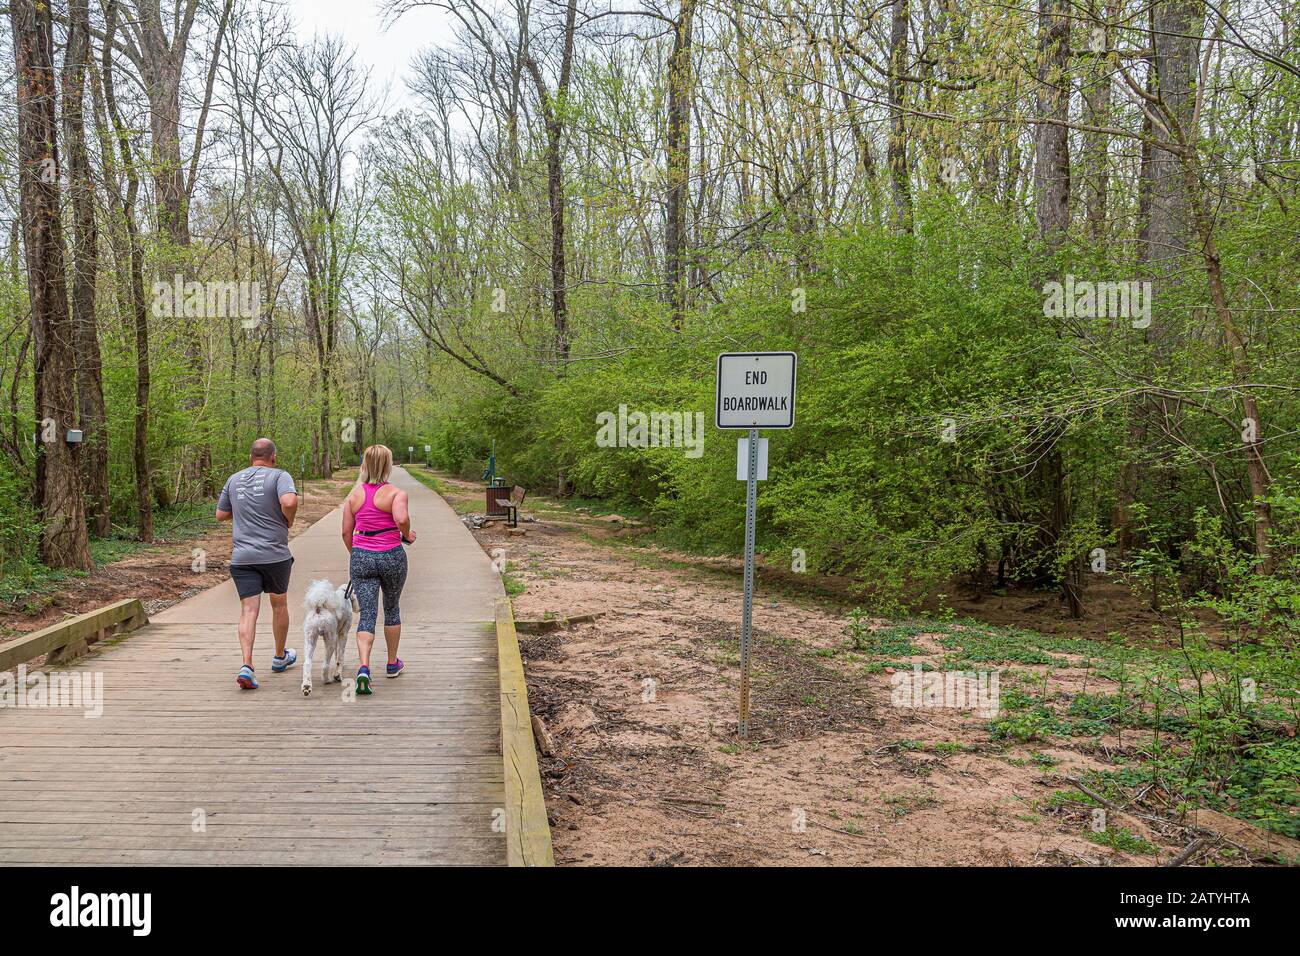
column 387, row 52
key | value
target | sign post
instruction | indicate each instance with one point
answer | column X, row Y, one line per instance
column 755, row 390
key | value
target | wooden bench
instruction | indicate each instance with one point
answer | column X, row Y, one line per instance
column 511, row 506
column 68, row 640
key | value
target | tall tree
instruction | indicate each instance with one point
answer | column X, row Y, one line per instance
column 160, row 59
column 314, row 124
column 554, row 104
column 680, row 89
column 64, row 539
column 85, row 268
column 128, row 246
column 896, row 153
column 1052, row 209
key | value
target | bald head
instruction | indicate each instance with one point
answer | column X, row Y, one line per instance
column 263, row 450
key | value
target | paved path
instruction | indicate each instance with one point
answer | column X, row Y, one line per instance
column 185, row 768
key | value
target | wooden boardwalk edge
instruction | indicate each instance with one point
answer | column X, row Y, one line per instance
column 528, row 833
column 68, row 639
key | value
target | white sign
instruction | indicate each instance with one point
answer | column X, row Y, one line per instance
column 426, row 449
column 742, row 459
column 756, row 389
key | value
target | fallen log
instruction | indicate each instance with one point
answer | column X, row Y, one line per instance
column 546, row 625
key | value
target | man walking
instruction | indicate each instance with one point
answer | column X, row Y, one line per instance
column 263, row 502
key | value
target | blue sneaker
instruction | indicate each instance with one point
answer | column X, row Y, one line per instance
column 246, row 679
column 284, row 662
column 394, row 668
column 363, row 680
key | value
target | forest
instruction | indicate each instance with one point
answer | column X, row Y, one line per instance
column 1038, row 261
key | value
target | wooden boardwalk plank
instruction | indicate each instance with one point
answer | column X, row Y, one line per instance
column 183, row 768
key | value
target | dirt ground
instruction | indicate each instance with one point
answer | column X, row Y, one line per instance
column 642, row 706
column 162, row 574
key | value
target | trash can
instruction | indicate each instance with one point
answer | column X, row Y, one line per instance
column 497, row 489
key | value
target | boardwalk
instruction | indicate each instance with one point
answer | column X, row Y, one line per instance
column 184, row 768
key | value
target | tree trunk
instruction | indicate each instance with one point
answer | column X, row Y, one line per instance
column 1052, row 207
column 124, row 205
column 1096, row 165
column 896, row 153
column 85, row 248
column 554, row 109
column 1256, row 471
column 680, row 84
column 64, row 540
column 161, row 61
column 1176, row 26
column 1052, row 139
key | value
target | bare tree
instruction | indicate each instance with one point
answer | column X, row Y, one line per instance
column 321, row 109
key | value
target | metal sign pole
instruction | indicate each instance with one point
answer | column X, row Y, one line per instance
column 746, row 626
column 754, row 390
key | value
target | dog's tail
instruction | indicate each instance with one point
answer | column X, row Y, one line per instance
column 351, row 598
column 319, row 595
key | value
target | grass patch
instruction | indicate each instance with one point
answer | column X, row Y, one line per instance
column 894, row 640
column 1120, row 839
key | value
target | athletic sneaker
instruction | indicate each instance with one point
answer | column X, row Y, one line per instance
column 246, row 679
column 363, row 680
column 395, row 667
column 285, row 661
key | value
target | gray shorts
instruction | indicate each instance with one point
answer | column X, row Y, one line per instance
column 252, row 579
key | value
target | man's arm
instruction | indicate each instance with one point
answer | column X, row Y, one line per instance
column 288, row 496
column 223, row 503
column 289, row 506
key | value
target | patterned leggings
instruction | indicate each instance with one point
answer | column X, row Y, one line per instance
column 372, row 571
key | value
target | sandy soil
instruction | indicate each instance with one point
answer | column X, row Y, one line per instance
column 642, row 704
column 163, row 574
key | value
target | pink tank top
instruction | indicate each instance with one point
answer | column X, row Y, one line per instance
column 371, row 518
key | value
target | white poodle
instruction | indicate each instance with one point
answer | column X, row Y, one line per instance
column 329, row 615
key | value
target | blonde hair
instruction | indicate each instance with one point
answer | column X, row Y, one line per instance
column 376, row 465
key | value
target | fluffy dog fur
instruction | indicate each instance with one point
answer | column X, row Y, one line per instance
column 329, row 616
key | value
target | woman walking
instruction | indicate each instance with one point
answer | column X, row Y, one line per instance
column 375, row 522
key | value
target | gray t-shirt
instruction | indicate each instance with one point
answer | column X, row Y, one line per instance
column 259, row 531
